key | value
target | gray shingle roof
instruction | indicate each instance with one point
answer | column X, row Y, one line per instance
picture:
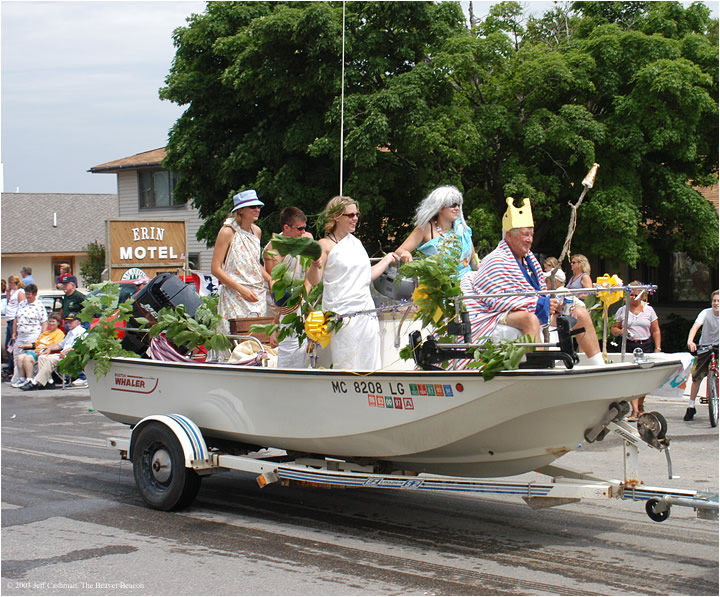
column 27, row 221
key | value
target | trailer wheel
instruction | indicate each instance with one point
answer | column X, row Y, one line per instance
column 159, row 468
column 656, row 516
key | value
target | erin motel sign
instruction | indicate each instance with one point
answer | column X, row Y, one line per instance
column 137, row 248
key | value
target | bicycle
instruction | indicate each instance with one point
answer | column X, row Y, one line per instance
column 712, row 387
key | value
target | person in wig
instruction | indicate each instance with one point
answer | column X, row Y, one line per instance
column 439, row 222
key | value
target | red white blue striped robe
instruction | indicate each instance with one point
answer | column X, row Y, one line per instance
column 498, row 272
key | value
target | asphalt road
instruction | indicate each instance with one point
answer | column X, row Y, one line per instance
column 74, row 524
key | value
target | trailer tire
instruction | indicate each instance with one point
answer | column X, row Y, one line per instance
column 159, row 468
column 656, row 516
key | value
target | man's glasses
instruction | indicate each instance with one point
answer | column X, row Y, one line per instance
column 353, row 216
column 300, row 228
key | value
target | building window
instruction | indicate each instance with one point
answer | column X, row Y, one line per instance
column 62, row 265
column 156, row 188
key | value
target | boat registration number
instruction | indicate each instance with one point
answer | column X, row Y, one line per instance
column 368, row 387
column 394, row 388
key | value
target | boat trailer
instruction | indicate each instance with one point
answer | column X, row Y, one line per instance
column 159, row 441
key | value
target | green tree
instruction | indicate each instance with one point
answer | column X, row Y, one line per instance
column 508, row 106
column 261, row 81
column 92, row 268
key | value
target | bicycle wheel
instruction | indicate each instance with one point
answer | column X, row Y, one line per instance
column 712, row 384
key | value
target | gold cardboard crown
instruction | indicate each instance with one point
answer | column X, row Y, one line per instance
column 517, row 217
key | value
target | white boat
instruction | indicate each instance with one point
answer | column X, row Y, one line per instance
column 444, row 422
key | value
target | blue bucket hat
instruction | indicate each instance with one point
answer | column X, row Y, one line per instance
column 246, row 199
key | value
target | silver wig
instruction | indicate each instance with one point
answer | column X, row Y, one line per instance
column 444, row 196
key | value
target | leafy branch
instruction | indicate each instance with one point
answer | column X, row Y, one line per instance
column 292, row 293
column 101, row 343
column 492, row 358
column 190, row 332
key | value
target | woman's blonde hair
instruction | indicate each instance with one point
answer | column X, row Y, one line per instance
column 17, row 280
column 335, row 207
column 583, row 261
column 550, row 262
column 643, row 294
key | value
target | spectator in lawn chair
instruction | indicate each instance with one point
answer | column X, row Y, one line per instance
column 51, row 355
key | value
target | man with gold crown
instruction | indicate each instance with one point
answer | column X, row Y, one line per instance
column 512, row 268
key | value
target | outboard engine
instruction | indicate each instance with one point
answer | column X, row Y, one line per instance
column 392, row 285
column 164, row 290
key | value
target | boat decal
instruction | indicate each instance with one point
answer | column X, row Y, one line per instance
column 394, row 402
column 135, row 384
column 421, row 389
column 423, row 483
column 393, row 483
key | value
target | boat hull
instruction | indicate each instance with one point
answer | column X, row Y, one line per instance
column 445, row 422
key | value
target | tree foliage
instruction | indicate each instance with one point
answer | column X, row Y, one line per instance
column 506, row 106
column 92, row 268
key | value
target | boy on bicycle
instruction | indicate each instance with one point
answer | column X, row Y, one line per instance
column 708, row 320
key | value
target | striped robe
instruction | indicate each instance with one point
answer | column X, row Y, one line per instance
column 498, row 272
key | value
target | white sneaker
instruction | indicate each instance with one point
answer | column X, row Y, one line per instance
column 20, row 382
column 80, row 383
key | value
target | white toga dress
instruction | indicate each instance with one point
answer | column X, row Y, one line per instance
column 346, row 280
column 242, row 263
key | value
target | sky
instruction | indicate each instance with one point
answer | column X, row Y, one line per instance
column 79, row 87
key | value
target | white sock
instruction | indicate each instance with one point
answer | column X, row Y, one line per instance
column 596, row 359
column 691, row 404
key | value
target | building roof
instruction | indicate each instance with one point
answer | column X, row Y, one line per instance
column 146, row 159
column 28, row 221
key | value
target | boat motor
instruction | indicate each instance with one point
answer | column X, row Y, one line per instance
column 164, row 290
column 392, row 285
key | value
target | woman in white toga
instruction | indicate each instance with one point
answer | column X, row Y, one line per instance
column 344, row 268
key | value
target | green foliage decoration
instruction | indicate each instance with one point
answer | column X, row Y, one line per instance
column 101, row 343
column 438, row 289
column 294, row 289
column 438, row 284
column 492, row 358
column 190, row 332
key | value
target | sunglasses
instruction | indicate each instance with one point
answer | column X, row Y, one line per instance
column 353, row 215
column 300, row 228
column 454, row 205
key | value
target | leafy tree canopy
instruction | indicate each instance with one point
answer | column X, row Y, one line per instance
column 505, row 105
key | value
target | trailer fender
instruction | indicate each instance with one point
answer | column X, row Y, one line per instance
column 187, row 433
